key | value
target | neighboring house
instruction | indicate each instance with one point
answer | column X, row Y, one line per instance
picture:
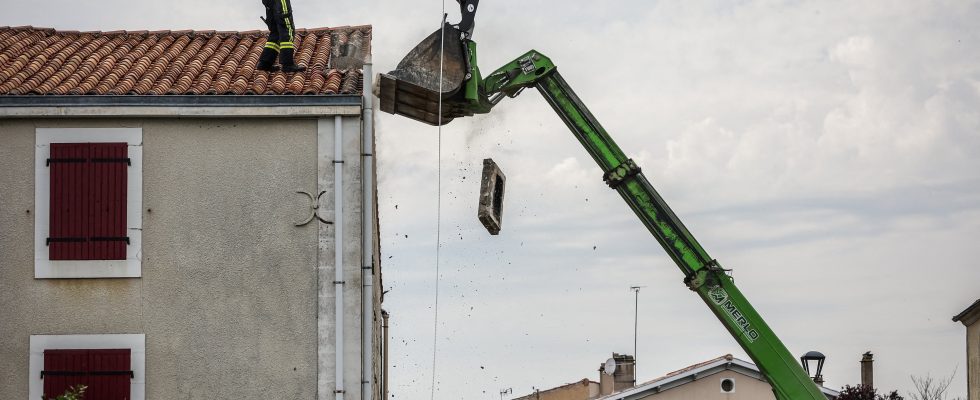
column 617, row 373
column 725, row 377
column 581, row 390
column 970, row 317
column 177, row 225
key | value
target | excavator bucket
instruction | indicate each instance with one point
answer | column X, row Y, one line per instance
column 413, row 89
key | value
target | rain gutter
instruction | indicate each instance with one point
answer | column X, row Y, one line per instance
column 180, row 106
column 367, row 234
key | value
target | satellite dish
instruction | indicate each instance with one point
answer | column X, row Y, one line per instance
column 610, row 367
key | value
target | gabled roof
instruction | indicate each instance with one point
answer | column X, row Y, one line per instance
column 694, row 372
column 38, row 61
column 970, row 315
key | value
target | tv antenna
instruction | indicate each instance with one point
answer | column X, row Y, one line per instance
column 636, row 322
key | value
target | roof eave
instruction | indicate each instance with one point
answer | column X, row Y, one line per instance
column 970, row 313
column 179, row 106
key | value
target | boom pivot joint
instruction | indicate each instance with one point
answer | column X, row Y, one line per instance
column 622, row 172
column 706, row 276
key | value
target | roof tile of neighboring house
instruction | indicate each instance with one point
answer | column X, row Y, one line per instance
column 38, row 61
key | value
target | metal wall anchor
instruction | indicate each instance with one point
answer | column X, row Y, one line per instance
column 314, row 207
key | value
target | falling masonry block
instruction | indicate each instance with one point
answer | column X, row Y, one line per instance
column 491, row 209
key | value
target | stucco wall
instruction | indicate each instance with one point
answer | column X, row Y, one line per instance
column 973, row 360
column 228, row 296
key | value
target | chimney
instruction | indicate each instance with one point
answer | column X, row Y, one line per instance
column 617, row 374
column 867, row 370
column 624, row 378
column 605, row 381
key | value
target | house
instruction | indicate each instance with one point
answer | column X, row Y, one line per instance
column 970, row 317
column 725, row 377
column 617, row 373
column 176, row 224
column 581, row 390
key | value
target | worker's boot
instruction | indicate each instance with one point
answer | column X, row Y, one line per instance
column 288, row 64
column 267, row 60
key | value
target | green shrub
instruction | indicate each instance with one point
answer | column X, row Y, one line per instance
column 73, row 393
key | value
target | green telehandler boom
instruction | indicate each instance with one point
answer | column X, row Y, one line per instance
column 414, row 90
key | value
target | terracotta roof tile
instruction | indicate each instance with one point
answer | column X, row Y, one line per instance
column 333, row 81
column 41, row 61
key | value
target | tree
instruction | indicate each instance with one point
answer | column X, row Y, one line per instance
column 929, row 388
column 862, row 392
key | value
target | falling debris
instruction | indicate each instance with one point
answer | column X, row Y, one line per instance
column 491, row 208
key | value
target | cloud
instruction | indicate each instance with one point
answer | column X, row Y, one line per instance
column 825, row 150
column 822, row 150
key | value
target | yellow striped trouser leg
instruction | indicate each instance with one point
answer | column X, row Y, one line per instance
column 288, row 20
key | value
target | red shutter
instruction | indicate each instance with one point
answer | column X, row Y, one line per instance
column 88, row 201
column 106, row 373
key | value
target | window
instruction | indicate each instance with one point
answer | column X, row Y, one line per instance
column 88, row 197
column 87, row 218
column 105, row 373
column 111, row 365
column 728, row 385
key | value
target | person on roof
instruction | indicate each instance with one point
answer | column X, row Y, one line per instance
column 279, row 20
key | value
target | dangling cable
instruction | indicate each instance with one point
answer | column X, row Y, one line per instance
column 435, row 319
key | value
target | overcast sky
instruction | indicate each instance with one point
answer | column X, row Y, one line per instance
column 828, row 152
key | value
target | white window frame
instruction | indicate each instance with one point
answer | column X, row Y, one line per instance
column 136, row 343
column 131, row 267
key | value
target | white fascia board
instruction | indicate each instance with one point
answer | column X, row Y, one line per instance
column 131, row 267
column 829, row 392
column 136, row 343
